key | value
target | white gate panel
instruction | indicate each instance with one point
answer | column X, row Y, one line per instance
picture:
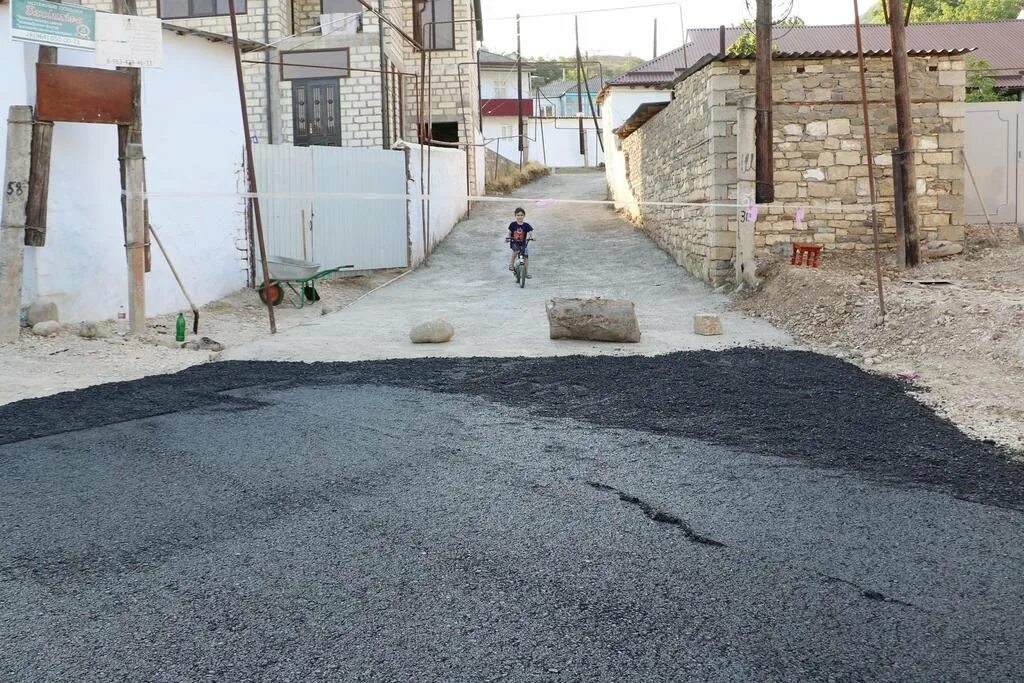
column 297, row 183
column 991, row 147
column 369, row 233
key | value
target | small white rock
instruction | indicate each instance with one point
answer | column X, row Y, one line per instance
column 47, row 328
column 707, row 324
column 433, row 332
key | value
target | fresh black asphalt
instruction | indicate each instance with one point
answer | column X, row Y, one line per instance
column 744, row 515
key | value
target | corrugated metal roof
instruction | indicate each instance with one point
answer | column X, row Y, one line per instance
column 488, row 57
column 999, row 42
column 564, row 86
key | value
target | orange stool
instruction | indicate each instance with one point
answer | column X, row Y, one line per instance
column 806, row 254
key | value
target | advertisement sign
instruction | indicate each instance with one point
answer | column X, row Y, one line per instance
column 53, row 23
column 123, row 40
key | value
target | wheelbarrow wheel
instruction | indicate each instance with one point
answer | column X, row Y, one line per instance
column 273, row 293
column 309, row 291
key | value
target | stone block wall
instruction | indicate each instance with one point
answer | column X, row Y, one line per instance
column 668, row 160
column 821, row 155
column 687, row 153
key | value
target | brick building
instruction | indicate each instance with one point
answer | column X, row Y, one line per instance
column 334, row 74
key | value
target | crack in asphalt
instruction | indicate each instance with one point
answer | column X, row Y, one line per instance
column 662, row 517
column 869, row 593
column 658, row 516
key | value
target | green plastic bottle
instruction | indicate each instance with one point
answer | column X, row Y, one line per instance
column 179, row 328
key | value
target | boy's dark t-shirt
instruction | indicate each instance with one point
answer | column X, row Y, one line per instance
column 518, row 232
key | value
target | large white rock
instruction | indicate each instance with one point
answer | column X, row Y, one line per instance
column 42, row 311
column 433, row 332
column 612, row 320
column 47, row 328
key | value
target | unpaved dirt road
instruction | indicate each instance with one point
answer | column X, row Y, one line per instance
column 581, row 250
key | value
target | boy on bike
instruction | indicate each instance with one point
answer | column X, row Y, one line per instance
column 518, row 234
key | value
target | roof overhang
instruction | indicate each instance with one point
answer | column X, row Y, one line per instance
column 644, row 113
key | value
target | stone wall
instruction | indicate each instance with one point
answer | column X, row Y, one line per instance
column 820, row 157
column 670, row 159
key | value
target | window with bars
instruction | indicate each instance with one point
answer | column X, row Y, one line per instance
column 188, row 9
column 434, row 24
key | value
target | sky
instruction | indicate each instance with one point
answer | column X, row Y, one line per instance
column 628, row 31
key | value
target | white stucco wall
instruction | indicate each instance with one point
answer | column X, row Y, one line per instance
column 619, row 104
column 13, row 72
column 556, row 143
column 192, row 135
column 507, row 77
column 500, row 134
column 448, row 203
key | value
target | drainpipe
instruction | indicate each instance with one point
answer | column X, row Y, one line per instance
column 385, row 132
column 266, row 71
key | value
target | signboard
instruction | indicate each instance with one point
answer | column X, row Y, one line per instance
column 123, row 40
column 53, row 23
column 82, row 95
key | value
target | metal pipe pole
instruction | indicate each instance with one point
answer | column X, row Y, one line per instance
column 251, row 168
column 385, row 122
column 579, row 91
column 871, row 157
column 519, row 91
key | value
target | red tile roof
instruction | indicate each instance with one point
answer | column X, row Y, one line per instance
column 999, row 42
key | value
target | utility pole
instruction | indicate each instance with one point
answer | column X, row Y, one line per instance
column 135, row 242
column 655, row 39
column 579, row 91
column 908, row 246
column 519, row 92
column 13, row 210
column 764, row 191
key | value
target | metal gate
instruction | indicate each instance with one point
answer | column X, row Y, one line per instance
column 304, row 217
column 992, row 147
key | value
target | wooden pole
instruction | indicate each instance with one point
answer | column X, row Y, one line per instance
column 14, row 195
column 251, row 167
column 871, row 157
column 519, row 93
column 908, row 245
column 132, row 132
column 135, row 245
column 39, row 183
column 764, row 191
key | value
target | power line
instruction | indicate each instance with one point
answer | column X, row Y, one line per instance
column 585, row 11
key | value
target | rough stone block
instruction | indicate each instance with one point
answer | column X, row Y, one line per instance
column 793, row 129
column 848, row 158
column 814, row 174
column 707, row 324
column 839, row 126
column 941, row 249
column 817, row 128
column 612, row 320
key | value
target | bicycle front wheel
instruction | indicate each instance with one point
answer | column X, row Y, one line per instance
column 522, row 275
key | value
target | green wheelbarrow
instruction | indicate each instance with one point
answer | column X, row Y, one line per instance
column 294, row 280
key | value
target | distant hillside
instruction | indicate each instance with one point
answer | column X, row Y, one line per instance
column 612, row 65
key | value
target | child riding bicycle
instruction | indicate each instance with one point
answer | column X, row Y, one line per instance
column 518, row 235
